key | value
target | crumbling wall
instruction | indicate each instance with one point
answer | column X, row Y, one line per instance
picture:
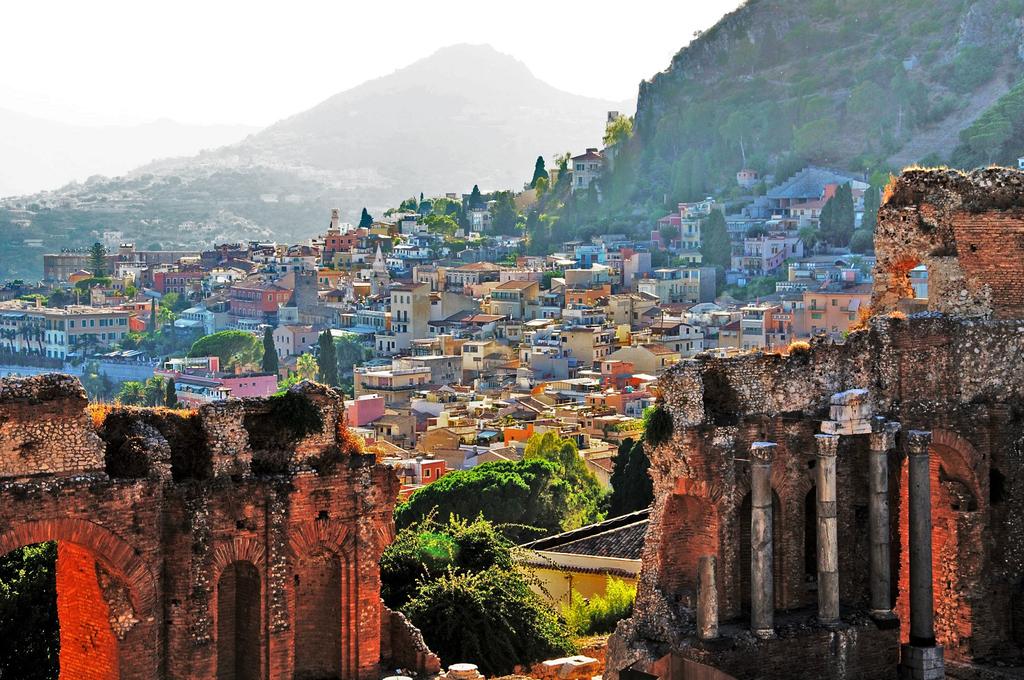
column 44, row 428
column 163, row 503
column 967, row 228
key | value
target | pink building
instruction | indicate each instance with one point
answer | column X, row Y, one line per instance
column 199, row 381
column 364, row 409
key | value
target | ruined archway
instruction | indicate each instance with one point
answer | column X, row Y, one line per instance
column 239, row 608
column 326, row 601
column 105, row 599
column 957, row 548
column 690, row 531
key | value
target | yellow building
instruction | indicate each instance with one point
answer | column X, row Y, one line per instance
column 580, row 562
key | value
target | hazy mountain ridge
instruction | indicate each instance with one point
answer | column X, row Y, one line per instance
column 465, row 115
column 36, row 153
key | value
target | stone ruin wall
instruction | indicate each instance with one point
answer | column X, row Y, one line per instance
column 957, row 371
column 968, row 229
column 180, row 546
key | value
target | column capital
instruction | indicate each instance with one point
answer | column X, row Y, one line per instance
column 828, row 445
column 918, row 442
column 762, row 452
column 883, row 434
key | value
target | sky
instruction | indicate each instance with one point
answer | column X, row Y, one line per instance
column 120, row 62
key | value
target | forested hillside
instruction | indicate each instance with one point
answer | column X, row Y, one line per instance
column 858, row 85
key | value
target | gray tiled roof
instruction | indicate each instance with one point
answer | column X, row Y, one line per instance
column 621, row 537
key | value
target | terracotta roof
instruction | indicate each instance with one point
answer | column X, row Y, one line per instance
column 590, row 155
column 621, row 537
column 478, row 266
column 516, row 285
column 655, row 348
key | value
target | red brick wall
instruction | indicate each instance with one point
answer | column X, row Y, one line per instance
column 990, row 248
column 88, row 648
column 318, row 617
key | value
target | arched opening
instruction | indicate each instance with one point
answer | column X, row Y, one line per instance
column 745, row 551
column 318, row 617
column 909, row 286
column 691, row 531
column 238, row 622
column 955, row 551
column 104, row 599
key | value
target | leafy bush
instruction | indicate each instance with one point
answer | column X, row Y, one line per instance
column 490, row 618
column 233, row 348
column 596, row 615
column 658, row 425
column 526, row 497
column 428, row 549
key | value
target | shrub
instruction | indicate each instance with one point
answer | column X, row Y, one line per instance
column 658, row 425
column 490, row 618
column 799, row 347
column 596, row 615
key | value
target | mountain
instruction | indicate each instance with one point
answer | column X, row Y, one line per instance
column 870, row 85
column 465, row 115
column 37, row 153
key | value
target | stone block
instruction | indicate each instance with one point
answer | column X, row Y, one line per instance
column 921, row 663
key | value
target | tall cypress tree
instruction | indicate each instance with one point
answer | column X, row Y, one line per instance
column 715, row 245
column 170, row 394
column 476, row 200
column 538, row 171
column 270, row 364
column 327, row 360
column 365, row 220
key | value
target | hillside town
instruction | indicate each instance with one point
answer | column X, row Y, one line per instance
column 457, row 346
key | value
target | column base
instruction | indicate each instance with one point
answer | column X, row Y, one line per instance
column 764, row 633
column 885, row 619
column 921, row 663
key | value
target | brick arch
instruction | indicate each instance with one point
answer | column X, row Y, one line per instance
column 309, row 538
column 958, row 553
column 712, row 492
column 239, row 549
column 113, row 551
column 959, row 458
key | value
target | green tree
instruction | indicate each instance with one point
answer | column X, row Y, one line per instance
column 862, row 241
column 174, row 302
column 490, row 618
column 170, row 394
column 539, row 172
column 632, row 488
column 837, row 217
column 476, row 200
column 366, row 220
column 442, row 225
column 132, row 393
column 29, row 630
column 715, row 245
column 326, row 360
column 233, row 348
column 504, row 216
column 98, row 260
column 350, row 353
column 306, row 366
column 269, row 363
column 513, row 494
column 585, row 498
column 872, row 201
column 618, row 129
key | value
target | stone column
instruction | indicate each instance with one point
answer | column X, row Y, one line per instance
column 828, row 546
column 921, row 659
column 707, row 598
column 762, row 595
column 922, row 618
column 883, row 439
